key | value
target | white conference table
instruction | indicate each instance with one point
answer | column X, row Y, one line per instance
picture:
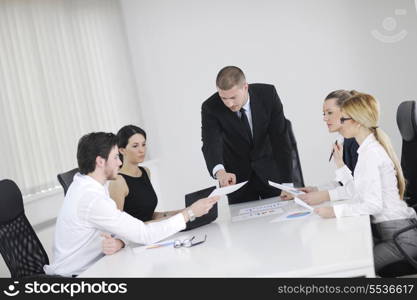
column 306, row 247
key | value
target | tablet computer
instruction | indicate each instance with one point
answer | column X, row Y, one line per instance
column 204, row 219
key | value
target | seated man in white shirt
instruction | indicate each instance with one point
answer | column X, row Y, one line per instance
column 89, row 214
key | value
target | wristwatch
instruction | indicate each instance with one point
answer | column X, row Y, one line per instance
column 191, row 214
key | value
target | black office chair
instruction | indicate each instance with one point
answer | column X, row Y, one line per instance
column 408, row 266
column 407, row 124
column 65, row 179
column 406, row 120
column 297, row 174
column 20, row 247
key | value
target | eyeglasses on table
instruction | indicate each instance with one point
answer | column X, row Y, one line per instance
column 188, row 242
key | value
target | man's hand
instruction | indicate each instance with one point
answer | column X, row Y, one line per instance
column 225, row 178
column 111, row 245
column 202, row 206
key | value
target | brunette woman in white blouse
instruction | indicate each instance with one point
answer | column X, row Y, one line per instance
column 378, row 186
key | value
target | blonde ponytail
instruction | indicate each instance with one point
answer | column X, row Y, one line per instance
column 364, row 109
column 385, row 142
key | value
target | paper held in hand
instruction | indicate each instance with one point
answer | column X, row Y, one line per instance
column 292, row 191
column 227, row 189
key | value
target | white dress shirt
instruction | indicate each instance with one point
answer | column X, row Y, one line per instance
column 248, row 113
column 336, row 191
column 374, row 188
column 89, row 211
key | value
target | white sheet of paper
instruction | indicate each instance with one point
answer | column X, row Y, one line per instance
column 262, row 207
column 303, row 204
column 257, row 214
column 289, row 216
column 292, row 191
column 227, row 189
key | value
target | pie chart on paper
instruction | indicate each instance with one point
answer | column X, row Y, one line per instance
column 298, row 215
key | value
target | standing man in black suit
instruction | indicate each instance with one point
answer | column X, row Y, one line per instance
column 245, row 137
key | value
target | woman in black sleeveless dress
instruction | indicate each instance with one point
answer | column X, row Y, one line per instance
column 141, row 200
column 133, row 190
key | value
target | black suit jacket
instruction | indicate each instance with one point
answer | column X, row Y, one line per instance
column 226, row 142
column 350, row 153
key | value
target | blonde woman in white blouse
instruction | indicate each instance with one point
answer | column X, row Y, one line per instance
column 378, row 186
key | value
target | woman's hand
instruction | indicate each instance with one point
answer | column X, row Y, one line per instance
column 111, row 245
column 338, row 155
column 286, row 196
column 314, row 198
column 325, row 212
column 309, row 189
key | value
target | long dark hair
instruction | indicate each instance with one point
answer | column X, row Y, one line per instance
column 124, row 134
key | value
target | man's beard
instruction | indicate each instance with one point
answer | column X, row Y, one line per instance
column 109, row 174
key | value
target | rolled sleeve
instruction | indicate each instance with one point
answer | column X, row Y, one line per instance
column 338, row 193
column 334, row 195
column 344, row 210
column 357, row 209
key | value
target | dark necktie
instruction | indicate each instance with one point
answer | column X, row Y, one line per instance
column 245, row 122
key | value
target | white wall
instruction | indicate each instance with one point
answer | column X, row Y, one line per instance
column 306, row 48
